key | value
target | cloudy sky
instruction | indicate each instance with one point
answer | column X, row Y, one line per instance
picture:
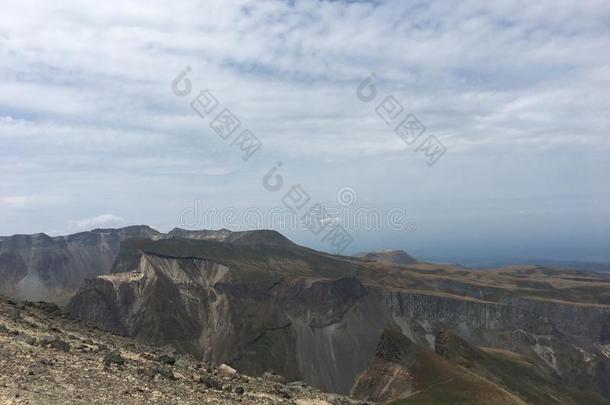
column 516, row 92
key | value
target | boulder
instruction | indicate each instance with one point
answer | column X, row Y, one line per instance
column 211, row 382
column 164, row 371
column 226, row 371
column 167, row 359
column 270, row 376
column 114, row 357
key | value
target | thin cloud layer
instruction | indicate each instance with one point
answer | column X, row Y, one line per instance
column 515, row 90
column 104, row 220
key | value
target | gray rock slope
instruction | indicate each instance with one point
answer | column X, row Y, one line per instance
column 40, row 267
column 43, row 268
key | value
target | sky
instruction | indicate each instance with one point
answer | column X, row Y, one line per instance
column 98, row 128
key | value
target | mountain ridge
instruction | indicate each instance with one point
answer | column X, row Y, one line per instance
column 52, row 268
column 259, row 302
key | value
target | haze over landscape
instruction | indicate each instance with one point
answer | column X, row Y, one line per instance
column 516, row 92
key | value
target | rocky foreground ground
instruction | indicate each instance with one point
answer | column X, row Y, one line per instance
column 48, row 358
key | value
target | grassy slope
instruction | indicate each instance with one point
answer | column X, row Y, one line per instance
column 438, row 381
column 474, row 376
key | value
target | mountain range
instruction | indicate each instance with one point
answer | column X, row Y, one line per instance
column 381, row 327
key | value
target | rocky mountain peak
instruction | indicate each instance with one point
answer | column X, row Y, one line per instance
column 132, row 231
column 255, row 237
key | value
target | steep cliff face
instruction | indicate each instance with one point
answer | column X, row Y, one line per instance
column 567, row 341
column 480, row 321
column 323, row 331
column 317, row 317
column 40, row 267
column 162, row 300
column 46, row 358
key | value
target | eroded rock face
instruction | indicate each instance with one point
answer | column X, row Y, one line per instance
column 46, row 358
column 162, row 300
column 40, row 267
column 293, row 328
column 308, row 316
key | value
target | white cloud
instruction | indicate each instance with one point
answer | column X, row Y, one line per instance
column 104, row 220
column 16, row 201
column 110, row 65
column 85, row 92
